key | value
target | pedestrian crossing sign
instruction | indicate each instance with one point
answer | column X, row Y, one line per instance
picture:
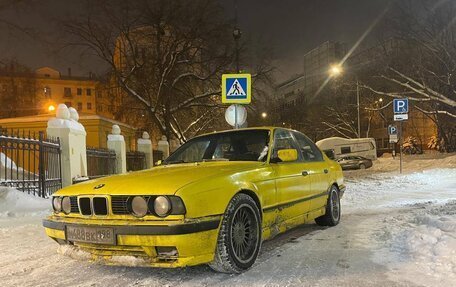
column 236, row 88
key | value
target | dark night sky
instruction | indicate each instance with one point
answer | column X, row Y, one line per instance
column 289, row 27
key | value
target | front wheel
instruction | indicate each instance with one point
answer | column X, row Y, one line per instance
column 239, row 237
column 332, row 215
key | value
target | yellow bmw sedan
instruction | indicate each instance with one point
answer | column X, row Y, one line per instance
column 213, row 201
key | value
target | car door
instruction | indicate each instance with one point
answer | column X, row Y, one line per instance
column 293, row 186
column 317, row 170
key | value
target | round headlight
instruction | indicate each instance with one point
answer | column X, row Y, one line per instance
column 162, row 206
column 57, row 204
column 139, row 206
column 66, row 205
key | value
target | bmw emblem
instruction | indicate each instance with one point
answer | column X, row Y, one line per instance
column 99, row 186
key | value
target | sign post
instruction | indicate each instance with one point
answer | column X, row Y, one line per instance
column 236, row 89
column 400, row 109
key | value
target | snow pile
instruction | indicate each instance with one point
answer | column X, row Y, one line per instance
column 6, row 162
column 392, row 190
column 14, row 203
column 423, row 248
column 432, row 244
column 81, row 255
column 9, row 169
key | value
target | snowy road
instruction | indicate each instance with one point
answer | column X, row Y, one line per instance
column 396, row 230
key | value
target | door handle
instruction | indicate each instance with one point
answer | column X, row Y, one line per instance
column 325, row 170
column 305, row 173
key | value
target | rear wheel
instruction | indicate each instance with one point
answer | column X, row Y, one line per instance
column 239, row 237
column 362, row 166
column 332, row 215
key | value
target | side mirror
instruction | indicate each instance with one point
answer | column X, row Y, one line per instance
column 330, row 154
column 287, row 155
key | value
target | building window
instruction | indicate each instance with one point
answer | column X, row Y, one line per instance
column 68, row 104
column 79, row 106
column 89, row 106
column 79, row 91
column 89, row 92
column 47, row 92
column 67, row 92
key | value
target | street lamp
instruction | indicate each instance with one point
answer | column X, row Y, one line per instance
column 264, row 115
column 51, row 108
column 335, row 70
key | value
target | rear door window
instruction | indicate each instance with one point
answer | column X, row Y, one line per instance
column 309, row 151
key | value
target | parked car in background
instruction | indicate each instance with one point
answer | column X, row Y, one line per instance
column 342, row 147
column 354, row 162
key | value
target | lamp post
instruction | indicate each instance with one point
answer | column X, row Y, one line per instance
column 236, row 36
column 335, row 71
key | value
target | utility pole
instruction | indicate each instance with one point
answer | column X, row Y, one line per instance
column 236, row 35
column 357, row 104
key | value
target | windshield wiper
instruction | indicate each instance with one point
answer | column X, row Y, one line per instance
column 174, row 162
column 216, row 159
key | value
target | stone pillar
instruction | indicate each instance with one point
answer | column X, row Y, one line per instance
column 116, row 142
column 73, row 143
column 173, row 145
column 145, row 146
column 163, row 146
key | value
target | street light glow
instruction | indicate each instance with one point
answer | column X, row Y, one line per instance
column 335, row 70
column 264, row 115
column 51, row 108
column 380, row 100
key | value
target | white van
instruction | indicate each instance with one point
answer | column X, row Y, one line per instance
column 364, row 147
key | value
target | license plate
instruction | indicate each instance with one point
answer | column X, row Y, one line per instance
column 98, row 235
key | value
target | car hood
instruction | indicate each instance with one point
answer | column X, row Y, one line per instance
column 161, row 180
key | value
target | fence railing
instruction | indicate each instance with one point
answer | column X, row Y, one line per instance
column 100, row 162
column 136, row 160
column 30, row 162
column 157, row 155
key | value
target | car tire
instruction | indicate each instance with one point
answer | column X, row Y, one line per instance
column 332, row 214
column 362, row 166
column 239, row 238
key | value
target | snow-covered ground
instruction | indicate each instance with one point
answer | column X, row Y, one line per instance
column 396, row 230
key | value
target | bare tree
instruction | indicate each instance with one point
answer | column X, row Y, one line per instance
column 166, row 55
column 424, row 68
column 17, row 90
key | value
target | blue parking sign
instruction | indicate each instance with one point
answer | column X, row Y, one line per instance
column 392, row 130
column 400, row 106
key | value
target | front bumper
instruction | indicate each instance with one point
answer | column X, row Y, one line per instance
column 195, row 241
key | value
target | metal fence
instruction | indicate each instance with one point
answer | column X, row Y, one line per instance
column 157, row 155
column 30, row 162
column 100, row 162
column 136, row 160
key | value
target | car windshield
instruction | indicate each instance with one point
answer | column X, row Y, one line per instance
column 245, row 145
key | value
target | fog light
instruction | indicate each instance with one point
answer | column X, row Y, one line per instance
column 139, row 206
column 162, row 206
column 57, row 204
column 66, row 205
